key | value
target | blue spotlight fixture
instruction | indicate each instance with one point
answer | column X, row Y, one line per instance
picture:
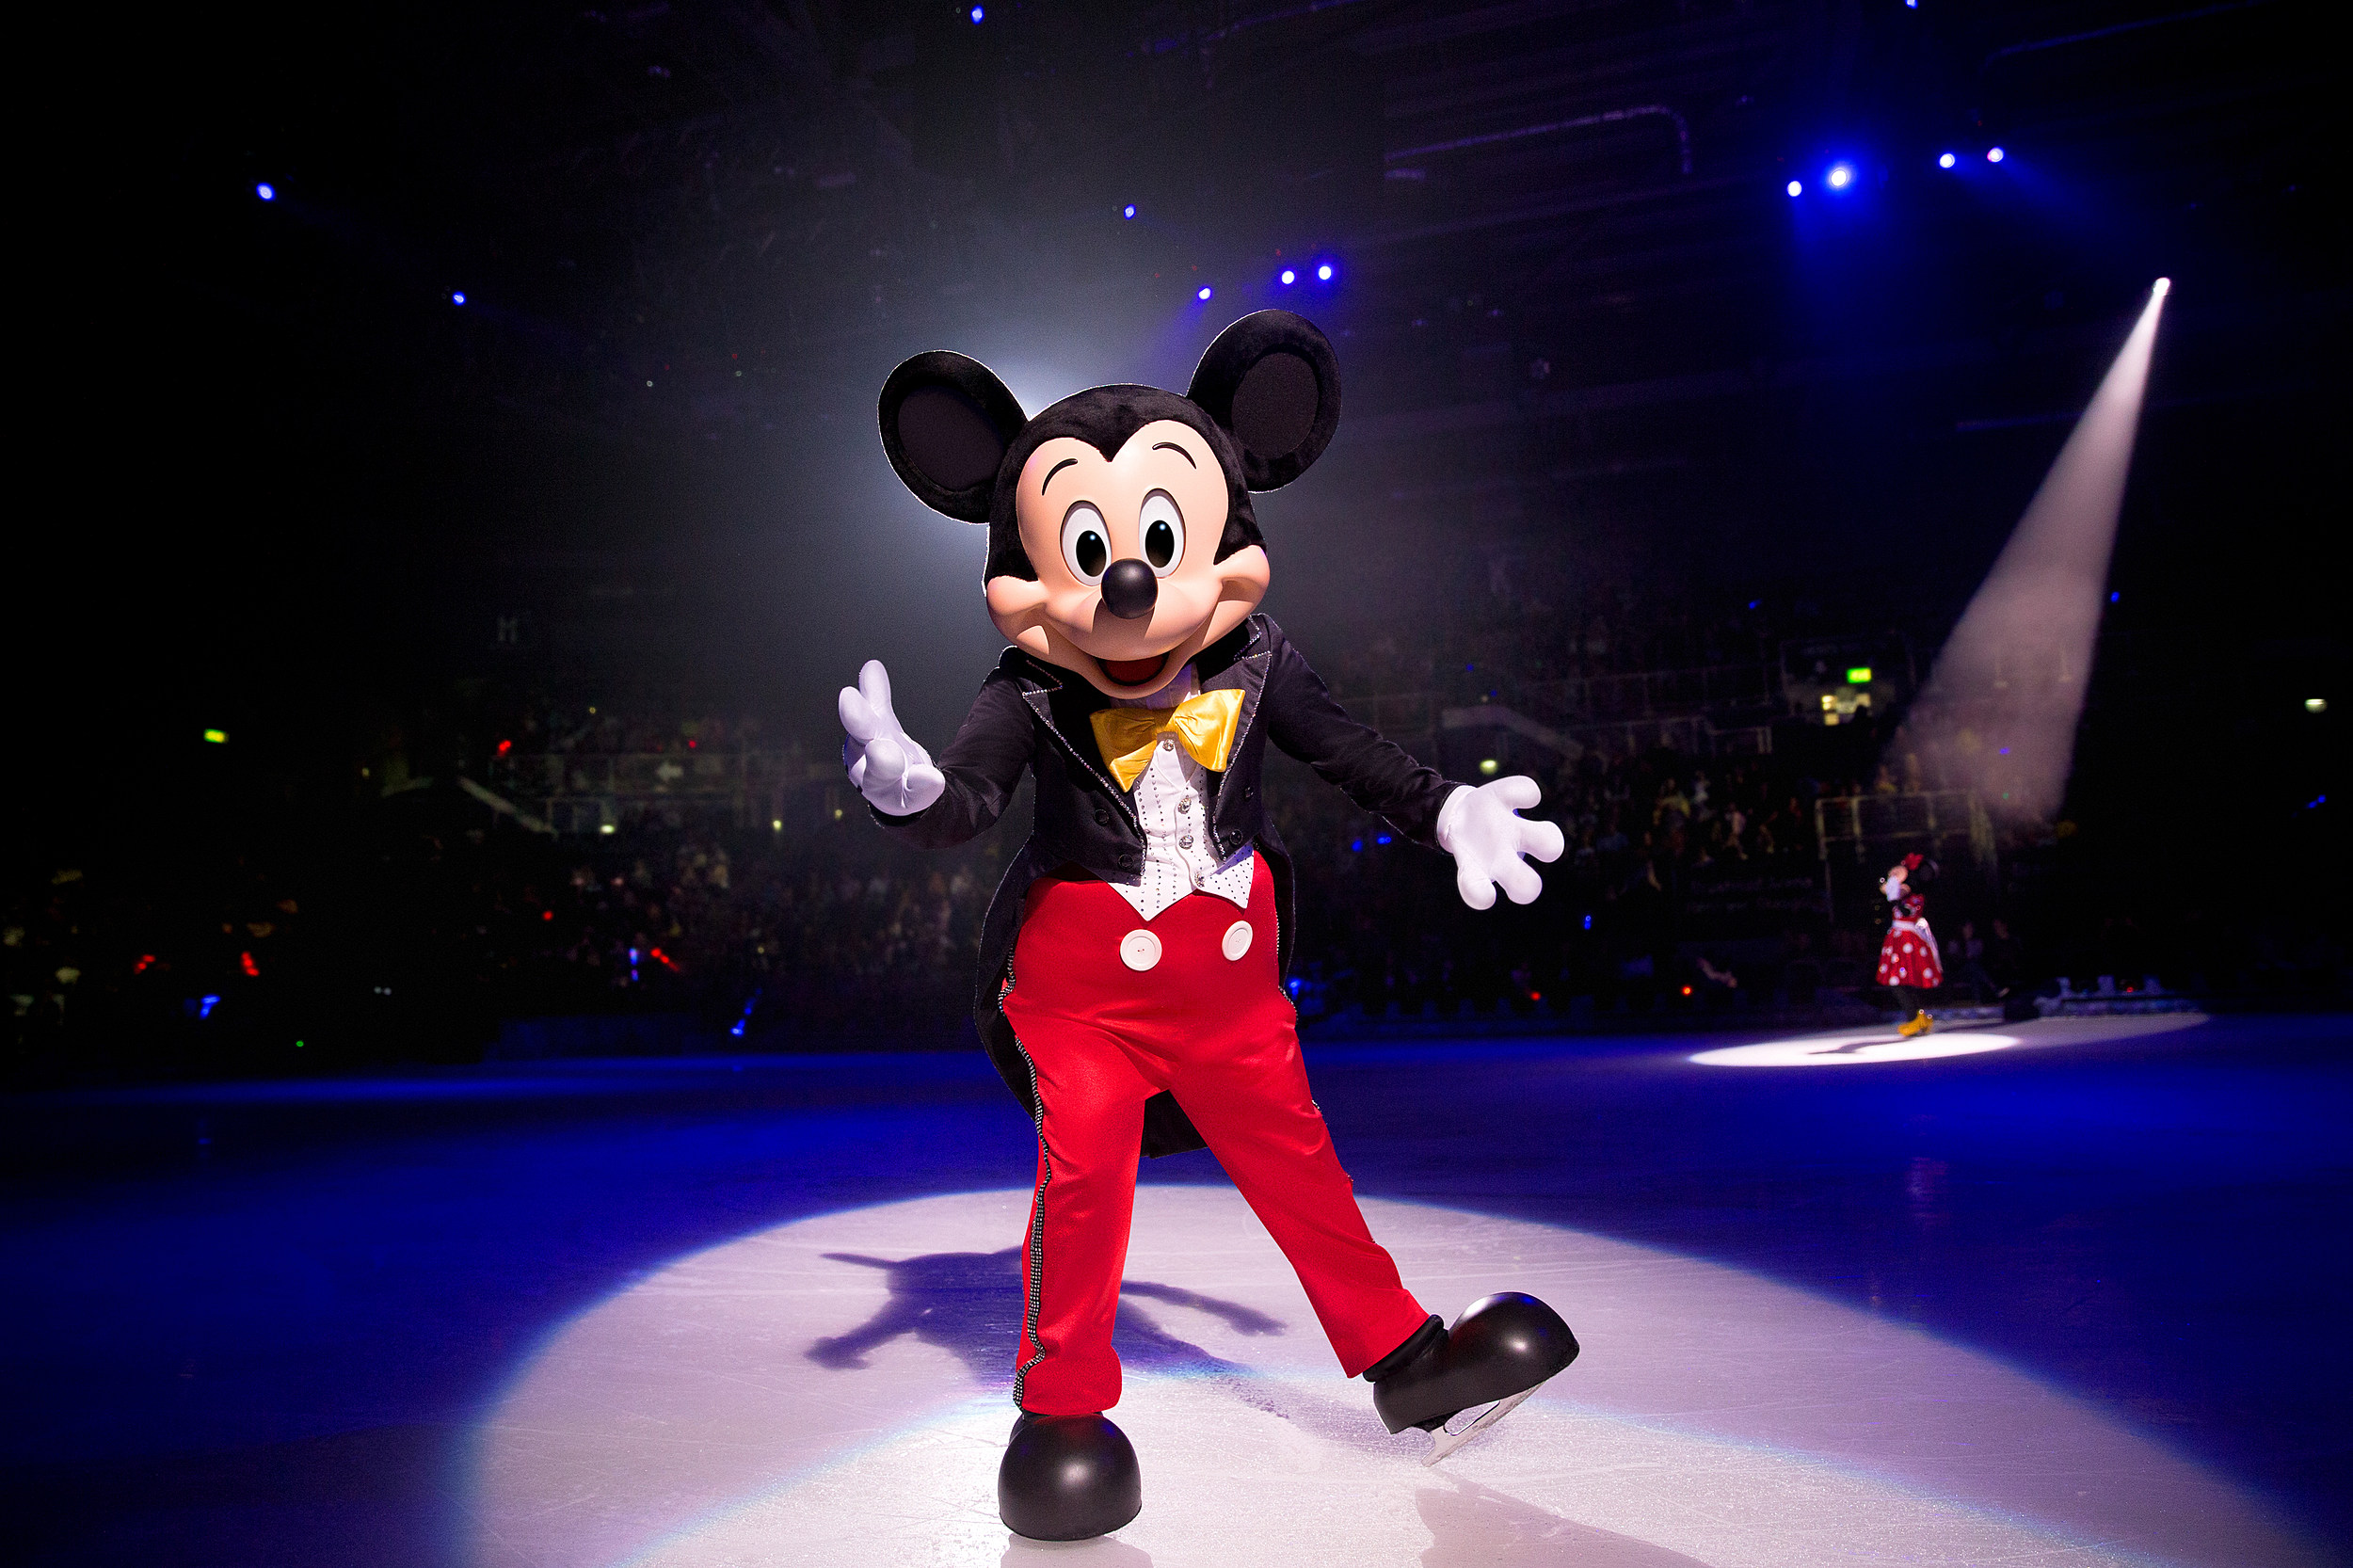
column 1290, row 278
column 1994, row 155
column 1945, row 160
column 979, row 16
column 1129, row 210
column 1796, row 187
column 457, row 297
column 1323, row 273
column 1840, row 176
column 267, row 192
column 1203, row 293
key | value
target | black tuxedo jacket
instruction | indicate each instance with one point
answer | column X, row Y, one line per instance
column 1033, row 715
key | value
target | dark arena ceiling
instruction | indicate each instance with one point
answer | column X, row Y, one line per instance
column 715, row 186
column 1584, row 328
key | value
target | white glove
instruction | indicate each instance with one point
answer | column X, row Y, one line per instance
column 1482, row 828
column 894, row 774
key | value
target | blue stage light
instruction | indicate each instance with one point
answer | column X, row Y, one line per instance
column 1993, row 154
column 1945, row 160
column 1129, row 210
column 1290, row 278
column 1204, row 293
column 1323, row 273
column 457, row 297
column 1841, row 176
column 1796, row 187
column 267, row 192
column 979, row 16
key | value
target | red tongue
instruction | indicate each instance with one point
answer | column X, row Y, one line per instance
column 1134, row 672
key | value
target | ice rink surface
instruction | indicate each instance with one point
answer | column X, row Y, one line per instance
column 836, row 1391
column 2054, row 1293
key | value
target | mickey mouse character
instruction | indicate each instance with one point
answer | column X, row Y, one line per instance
column 1131, row 964
column 1908, row 958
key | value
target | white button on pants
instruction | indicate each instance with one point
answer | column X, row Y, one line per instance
column 1140, row 950
column 1237, row 940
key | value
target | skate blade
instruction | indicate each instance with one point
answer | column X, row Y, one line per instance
column 1443, row 1441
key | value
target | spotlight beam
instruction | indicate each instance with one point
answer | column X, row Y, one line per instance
column 2001, row 706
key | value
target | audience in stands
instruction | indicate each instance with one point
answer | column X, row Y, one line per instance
column 1690, row 882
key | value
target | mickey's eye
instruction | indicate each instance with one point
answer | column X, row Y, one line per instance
column 1163, row 529
column 1085, row 543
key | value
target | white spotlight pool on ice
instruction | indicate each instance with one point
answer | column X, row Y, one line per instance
column 1853, row 1048
column 836, row 1391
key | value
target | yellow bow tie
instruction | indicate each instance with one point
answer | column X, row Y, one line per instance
column 1204, row 725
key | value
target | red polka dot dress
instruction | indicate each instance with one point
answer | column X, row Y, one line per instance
column 1908, row 956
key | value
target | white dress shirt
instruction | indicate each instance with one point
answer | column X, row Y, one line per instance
column 1172, row 806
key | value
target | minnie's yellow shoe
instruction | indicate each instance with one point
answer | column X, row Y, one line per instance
column 1921, row 1023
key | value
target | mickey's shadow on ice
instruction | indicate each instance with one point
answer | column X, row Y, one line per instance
column 971, row 1304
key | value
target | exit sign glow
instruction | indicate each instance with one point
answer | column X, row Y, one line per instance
column 1859, row 675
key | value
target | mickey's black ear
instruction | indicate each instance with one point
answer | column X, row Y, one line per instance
column 1271, row 380
column 947, row 422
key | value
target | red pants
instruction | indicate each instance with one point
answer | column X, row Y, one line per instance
column 1101, row 1038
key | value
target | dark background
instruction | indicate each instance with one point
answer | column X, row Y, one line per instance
column 295, row 490
column 278, row 483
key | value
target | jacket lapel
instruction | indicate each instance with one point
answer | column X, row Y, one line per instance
column 1247, row 673
column 1038, row 688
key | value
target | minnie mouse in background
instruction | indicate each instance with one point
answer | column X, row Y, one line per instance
column 1908, row 964
column 1131, row 964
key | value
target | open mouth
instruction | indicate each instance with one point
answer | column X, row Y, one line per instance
column 1134, row 672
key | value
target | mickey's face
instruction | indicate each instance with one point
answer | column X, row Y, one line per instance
column 1108, row 513
column 1127, row 589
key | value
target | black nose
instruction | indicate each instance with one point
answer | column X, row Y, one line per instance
column 1129, row 589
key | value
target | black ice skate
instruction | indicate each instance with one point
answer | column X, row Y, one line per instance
column 1067, row 1478
column 1497, row 1354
